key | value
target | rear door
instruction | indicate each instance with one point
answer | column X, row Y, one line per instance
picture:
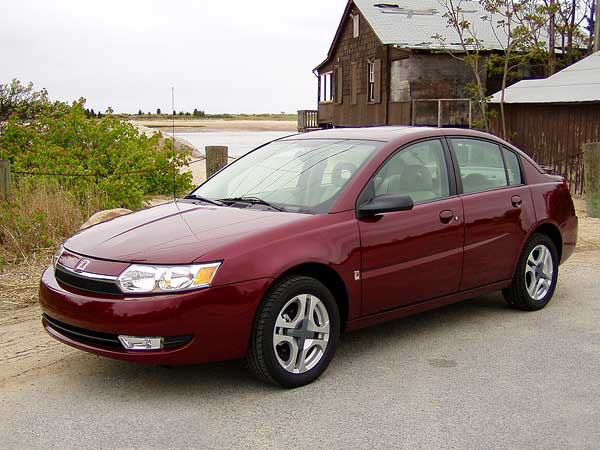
column 416, row 255
column 498, row 209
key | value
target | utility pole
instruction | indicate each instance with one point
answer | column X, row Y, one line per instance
column 597, row 27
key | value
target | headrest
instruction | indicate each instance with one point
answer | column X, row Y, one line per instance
column 342, row 172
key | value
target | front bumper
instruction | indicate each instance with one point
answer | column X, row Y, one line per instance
column 218, row 319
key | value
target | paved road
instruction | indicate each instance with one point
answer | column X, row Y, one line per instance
column 468, row 376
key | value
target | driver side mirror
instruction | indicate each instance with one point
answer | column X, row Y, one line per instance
column 385, row 203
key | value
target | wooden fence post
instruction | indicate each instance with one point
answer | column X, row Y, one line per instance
column 216, row 157
column 591, row 166
column 5, row 185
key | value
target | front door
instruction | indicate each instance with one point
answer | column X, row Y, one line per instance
column 412, row 256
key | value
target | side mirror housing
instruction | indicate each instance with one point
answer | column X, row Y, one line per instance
column 385, row 203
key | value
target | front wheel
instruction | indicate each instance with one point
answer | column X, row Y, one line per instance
column 536, row 275
column 295, row 332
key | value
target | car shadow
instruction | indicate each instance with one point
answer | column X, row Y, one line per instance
column 231, row 378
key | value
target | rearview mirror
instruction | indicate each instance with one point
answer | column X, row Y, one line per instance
column 385, row 203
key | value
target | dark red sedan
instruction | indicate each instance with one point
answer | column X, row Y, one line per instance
column 307, row 236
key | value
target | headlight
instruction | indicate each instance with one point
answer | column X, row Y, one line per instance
column 141, row 279
column 57, row 255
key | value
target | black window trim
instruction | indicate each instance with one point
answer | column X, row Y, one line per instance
column 456, row 166
column 452, row 180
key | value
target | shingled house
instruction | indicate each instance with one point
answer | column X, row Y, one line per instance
column 384, row 66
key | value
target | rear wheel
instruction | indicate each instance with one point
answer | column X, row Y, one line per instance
column 536, row 274
column 295, row 332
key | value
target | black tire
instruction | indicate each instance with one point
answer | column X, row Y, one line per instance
column 516, row 295
column 261, row 359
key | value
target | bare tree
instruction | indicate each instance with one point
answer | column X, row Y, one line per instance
column 470, row 48
column 569, row 17
column 552, row 39
column 593, row 26
column 516, row 26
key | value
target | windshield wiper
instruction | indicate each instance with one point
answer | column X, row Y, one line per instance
column 253, row 201
column 204, row 199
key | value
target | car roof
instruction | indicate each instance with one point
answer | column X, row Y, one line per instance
column 390, row 133
column 400, row 135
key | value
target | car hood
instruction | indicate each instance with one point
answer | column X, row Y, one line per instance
column 173, row 233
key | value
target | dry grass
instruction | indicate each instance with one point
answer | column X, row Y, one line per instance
column 39, row 217
column 19, row 282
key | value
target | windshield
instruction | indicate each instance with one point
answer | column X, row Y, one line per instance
column 298, row 175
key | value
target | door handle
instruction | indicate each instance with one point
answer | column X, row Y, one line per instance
column 446, row 216
column 516, row 201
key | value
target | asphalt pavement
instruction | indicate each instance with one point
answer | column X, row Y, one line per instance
column 474, row 375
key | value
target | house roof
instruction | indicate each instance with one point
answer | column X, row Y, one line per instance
column 412, row 23
column 579, row 82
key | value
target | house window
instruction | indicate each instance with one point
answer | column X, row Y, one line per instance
column 326, row 94
column 371, row 78
column 356, row 25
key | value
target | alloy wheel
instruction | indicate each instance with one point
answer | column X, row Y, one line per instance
column 539, row 272
column 301, row 333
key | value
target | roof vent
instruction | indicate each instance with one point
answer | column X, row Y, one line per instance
column 386, row 5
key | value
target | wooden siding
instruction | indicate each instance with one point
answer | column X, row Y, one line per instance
column 433, row 76
column 354, row 109
column 399, row 113
column 553, row 135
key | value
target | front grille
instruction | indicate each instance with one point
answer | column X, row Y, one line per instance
column 86, row 284
column 95, row 338
column 104, row 340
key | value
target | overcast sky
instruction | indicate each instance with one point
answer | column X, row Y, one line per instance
column 221, row 56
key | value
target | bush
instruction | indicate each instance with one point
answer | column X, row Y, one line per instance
column 68, row 165
column 106, row 156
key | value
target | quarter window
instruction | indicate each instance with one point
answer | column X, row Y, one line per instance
column 512, row 167
column 481, row 165
column 418, row 171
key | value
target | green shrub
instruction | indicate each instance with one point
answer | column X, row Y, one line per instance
column 106, row 156
column 67, row 165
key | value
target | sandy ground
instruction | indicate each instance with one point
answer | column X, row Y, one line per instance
column 589, row 227
column 192, row 125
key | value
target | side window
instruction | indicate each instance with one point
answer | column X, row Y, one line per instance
column 512, row 167
column 371, row 79
column 418, row 171
column 480, row 163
